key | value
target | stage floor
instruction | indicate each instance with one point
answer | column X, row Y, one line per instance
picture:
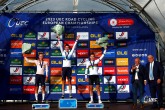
column 81, row 106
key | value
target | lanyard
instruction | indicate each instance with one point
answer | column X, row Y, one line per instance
column 92, row 64
column 66, row 55
column 41, row 64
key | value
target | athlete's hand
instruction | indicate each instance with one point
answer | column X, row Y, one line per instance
column 58, row 37
column 145, row 82
column 158, row 81
column 105, row 47
column 86, row 80
column 78, row 37
column 46, row 80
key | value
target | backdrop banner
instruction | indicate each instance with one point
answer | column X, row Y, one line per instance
column 128, row 37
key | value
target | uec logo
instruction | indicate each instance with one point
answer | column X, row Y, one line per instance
column 17, row 23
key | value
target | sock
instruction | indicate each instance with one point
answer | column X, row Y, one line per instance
column 36, row 96
column 43, row 96
column 99, row 98
column 70, row 92
column 63, row 92
column 91, row 98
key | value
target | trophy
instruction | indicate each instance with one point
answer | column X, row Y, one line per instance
column 58, row 29
column 26, row 48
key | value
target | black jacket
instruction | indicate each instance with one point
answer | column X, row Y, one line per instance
column 141, row 74
column 158, row 71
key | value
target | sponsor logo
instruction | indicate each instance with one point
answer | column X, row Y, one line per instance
column 109, row 79
column 139, row 55
column 109, row 62
column 69, row 36
column 55, row 44
column 30, row 36
column 55, row 80
column 16, row 22
column 45, row 52
column 15, row 53
column 43, row 35
column 94, row 45
column 16, row 44
column 121, row 35
column 82, row 89
column 81, row 71
column 29, row 64
column 122, row 70
column 73, row 89
column 32, row 54
column 121, row 22
column 56, row 89
column 43, row 45
column 82, row 53
column 54, row 36
column 122, row 52
column 56, row 61
column 16, row 35
column 137, row 49
column 82, row 44
column 110, row 53
column 15, row 89
column 15, row 79
column 122, row 61
column 46, row 89
column 29, row 80
column 148, row 99
column 95, row 35
column 122, row 79
column 73, row 81
column 121, row 44
column 97, row 52
column 73, row 71
column 109, row 71
column 56, row 53
column 123, row 88
column 110, row 89
column 56, row 71
column 28, row 89
column 83, row 35
column 15, row 62
column 109, row 35
column 29, row 70
column 82, row 61
column 81, row 80
column 15, row 70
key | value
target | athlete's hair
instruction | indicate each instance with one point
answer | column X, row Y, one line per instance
column 92, row 54
column 40, row 53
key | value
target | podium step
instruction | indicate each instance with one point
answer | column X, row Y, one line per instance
column 40, row 106
column 94, row 105
column 67, row 103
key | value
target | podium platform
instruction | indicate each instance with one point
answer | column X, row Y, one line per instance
column 67, row 103
column 40, row 106
column 94, row 106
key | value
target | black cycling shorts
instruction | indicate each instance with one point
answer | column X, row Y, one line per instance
column 40, row 79
column 66, row 72
column 94, row 79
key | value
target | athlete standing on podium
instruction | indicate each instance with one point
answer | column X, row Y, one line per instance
column 66, row 67
column 42, row 66
column 92, row 71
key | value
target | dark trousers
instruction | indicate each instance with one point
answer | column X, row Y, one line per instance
column 156, row 89
column 137, row 85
